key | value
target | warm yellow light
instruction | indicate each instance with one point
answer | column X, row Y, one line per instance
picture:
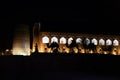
column 91, row 51
column 105, row 52
column 20, row 51
column 7, row 50
column 114, row 53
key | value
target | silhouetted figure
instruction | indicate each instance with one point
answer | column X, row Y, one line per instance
column 36, row 48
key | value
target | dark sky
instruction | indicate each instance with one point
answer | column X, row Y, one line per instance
column 86, row 16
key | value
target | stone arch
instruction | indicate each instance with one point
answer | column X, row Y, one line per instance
column 94, row 41
column 87, row 41
column 115, row 42
column 101, row 42
column 108, row 42
column 62, row 40
column 45, row 39
column 54, row 39
column 79, row 40
column 69, row 40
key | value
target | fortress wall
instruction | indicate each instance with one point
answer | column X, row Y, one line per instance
column 75, row 36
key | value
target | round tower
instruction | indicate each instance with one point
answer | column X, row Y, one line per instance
column 21, row 40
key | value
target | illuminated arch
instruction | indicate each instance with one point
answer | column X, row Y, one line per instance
column 115, row 42
column 101, row 42
column 94, row 41
column 69, row 40
column 62, row 40
column 79, row 40
column 87, row 41
column 54, row 39
column 108, row 42
column 45, row 39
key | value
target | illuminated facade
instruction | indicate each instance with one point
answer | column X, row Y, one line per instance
column 21, row 41
column 102, row 42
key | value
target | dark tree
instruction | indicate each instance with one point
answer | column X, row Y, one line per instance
column 92, row 47
column 54, row 46
column 107, row 48
column 72, row 46
column 84, row 44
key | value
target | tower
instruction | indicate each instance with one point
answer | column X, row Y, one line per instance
column 36, row 30
column 21, row 40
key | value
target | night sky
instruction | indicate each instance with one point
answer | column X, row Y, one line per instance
column 87, row 16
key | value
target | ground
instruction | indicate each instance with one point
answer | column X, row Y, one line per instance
column 61, row 66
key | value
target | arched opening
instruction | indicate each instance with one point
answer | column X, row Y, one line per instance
column 54, row 39
column 87, row 41
column 70, row 40
column 45, row 39
column 115, row 49
column 79, row 40
column 108, row 42
column 62, row 48
column 94, row 41
column 101, row 42
column 62, row 40
column 115, row 42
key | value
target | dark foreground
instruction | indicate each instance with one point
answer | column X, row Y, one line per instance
column 60, row 67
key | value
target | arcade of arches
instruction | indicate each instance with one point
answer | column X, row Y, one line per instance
column 103, row 44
